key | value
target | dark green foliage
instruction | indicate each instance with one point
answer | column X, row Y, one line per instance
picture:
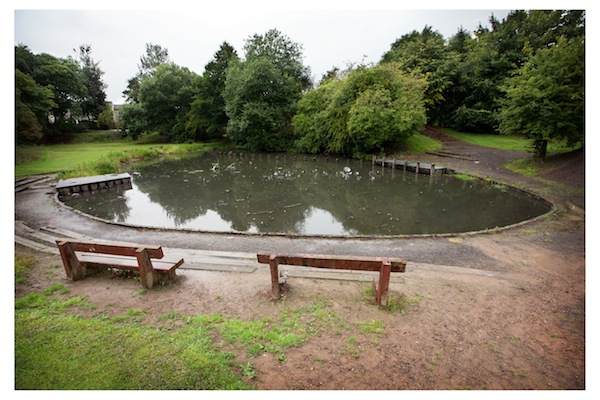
column 261, row 92
column 155, row 56
column 207, row 118
column 133, row 120
column 94, row 100
column 425, row 54
column 545, row 97
column 32, row 102
column 370, row 108
column 53, row 95
column 260, row 100
column 166, row 97
column 106, row 119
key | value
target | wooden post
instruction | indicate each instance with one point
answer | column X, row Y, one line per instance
column 432, row 171
column 274, row 265
column 148, row 275
column 384, row 281
column 418, row 165
column 73, row 267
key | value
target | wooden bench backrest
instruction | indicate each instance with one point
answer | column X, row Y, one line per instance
column 334, row 262
column 116, row 249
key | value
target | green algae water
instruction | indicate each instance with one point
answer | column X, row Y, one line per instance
column 305, row 195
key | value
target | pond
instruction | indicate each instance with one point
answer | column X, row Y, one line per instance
column 300, row 195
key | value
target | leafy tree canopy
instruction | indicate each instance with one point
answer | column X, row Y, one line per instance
column 545, row 97
column 166, row 97
column 261, row 92
column 155, row 56
column 94, row 100
column 206, row 118
column 370, row 108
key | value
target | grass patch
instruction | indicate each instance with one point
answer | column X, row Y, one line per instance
column 352, row 347
column 396, row 302
column 95, row 158
column 69, row 353
column 465, row 177
column 274, row 336
column 525, row 166
column 374, row 327
column 420, row 144
column 504, row 142
column 23, row 267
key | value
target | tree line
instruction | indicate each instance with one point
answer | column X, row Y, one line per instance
column 523, row 75
column 54, row 96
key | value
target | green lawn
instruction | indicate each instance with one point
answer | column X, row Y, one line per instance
column 33, row 160
column 78, row 159
column 504, row 142
column 420, row 144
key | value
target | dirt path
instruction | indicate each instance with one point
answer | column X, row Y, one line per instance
column 497, row 311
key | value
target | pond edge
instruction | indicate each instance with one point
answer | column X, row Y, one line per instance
column 553, row 209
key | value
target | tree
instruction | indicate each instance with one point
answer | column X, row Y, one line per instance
column 260, row 100
column 106, row 119
column 545, row 97
column 424, row 53
column 154, row 57
column 132, row 120
column 94, row 101
column 285, row 54
column 166, row 97
column 368, row 109
column 33, row 102
column 261, row 92
column 63, row 76
column 207, row 118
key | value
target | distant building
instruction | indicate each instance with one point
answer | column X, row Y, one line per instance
column 116, row 112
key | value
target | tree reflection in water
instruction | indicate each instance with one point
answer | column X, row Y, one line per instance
column 305, row 195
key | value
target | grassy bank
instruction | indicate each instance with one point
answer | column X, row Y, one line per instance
column 104, row 152
column 95, row 154
column 503, row 142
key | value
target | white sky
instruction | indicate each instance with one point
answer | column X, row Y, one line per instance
column 331, row 37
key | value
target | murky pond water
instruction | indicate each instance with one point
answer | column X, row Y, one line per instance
column 305, row 196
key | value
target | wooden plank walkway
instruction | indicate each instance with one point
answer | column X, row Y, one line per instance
column 91, row 183
column 411, row 166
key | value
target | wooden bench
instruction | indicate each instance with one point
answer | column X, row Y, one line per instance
column 384, row 265
column 78, row 257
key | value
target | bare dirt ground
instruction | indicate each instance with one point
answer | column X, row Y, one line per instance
column 497, row 311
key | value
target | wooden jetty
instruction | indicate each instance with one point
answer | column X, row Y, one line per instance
column 412, row 166
column 91, row 183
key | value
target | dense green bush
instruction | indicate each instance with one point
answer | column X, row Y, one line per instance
column 368, row 109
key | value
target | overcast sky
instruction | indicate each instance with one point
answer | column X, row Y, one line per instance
column 330, row 37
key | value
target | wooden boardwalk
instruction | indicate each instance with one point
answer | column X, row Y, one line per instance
column 412, row 166
column 91, row 183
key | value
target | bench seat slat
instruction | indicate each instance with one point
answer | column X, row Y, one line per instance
column 334, row 262
column 105, row 248
column 129, row 263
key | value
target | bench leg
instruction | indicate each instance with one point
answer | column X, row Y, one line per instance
column 384, row 282
column 73, row 267
column 274, row 265
column 148, row 275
